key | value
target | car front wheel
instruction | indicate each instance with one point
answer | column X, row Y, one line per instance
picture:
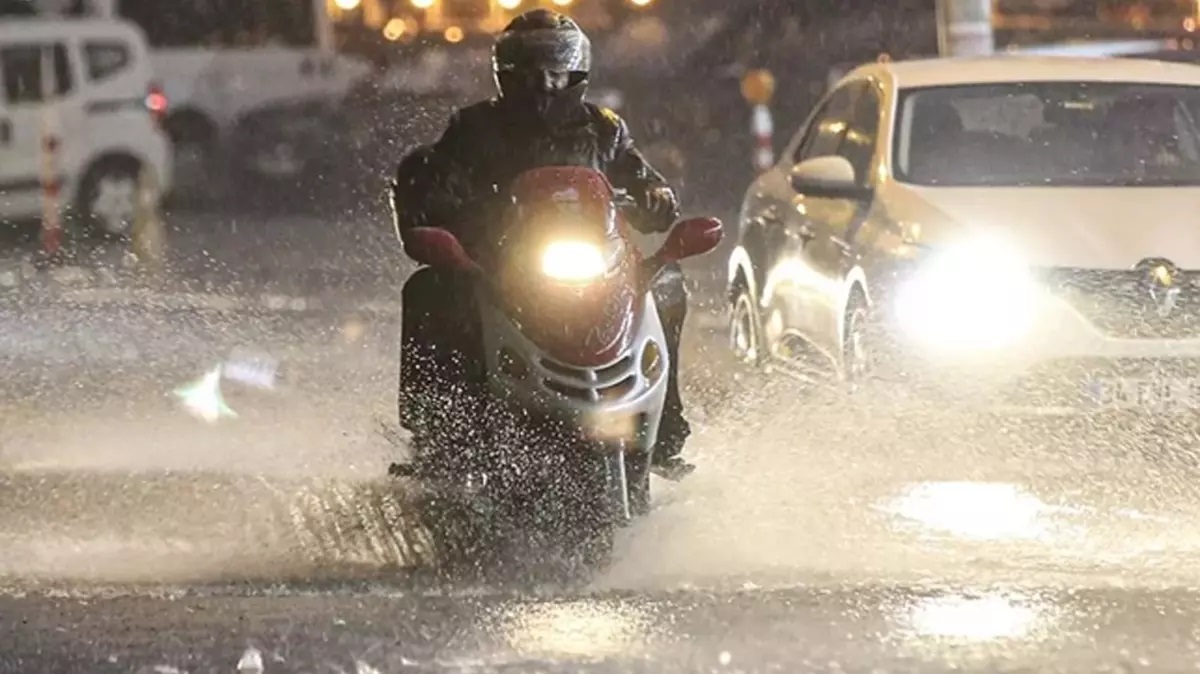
column 745, row 329
column 858, row 344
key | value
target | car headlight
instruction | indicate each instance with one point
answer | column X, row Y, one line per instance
column 574, row 261
column 978, row 295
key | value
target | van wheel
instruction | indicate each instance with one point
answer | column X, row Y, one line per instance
column 108, row 199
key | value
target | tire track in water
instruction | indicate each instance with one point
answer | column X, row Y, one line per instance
column 204, row 527
column 131, row 525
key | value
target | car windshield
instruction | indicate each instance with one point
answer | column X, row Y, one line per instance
column 1049, row 134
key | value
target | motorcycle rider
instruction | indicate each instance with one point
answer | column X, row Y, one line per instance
column 541, row 64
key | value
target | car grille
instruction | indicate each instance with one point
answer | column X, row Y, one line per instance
column 1119, row 303
column 1062, row 382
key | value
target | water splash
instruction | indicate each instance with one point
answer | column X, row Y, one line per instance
column 251, row 662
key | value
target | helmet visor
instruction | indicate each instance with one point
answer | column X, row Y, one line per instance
column 545, row 50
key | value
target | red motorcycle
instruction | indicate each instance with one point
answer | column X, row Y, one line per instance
column 575, row 357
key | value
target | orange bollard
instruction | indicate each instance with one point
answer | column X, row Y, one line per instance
column 758, row 87
column 52, row 231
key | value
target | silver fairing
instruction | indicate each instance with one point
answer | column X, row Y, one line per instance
column 615, row 400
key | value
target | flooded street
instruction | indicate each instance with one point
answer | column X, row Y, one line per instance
column 814, row 535
column 198, row 406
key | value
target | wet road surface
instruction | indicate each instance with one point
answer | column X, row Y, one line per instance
column 863, row 629
column 137, row 537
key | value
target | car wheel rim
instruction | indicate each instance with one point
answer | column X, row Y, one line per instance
column 114, row 204
column 857, row 353
column 743, row 335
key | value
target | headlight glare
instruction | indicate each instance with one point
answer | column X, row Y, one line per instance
column 975, row 296
column 573, row 261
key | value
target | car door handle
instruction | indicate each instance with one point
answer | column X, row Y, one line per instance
column 803, row 232
column 767, row 216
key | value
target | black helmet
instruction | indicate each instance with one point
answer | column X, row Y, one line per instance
column 542, row 59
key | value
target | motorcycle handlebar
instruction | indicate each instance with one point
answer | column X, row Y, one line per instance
column 623, row 199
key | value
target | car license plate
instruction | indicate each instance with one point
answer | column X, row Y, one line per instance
column 1132, row 393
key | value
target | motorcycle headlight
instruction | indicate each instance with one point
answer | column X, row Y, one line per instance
column 574, row 261
column 978, row 295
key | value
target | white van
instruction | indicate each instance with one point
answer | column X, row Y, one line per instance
column 220, row 61
column 87, row 85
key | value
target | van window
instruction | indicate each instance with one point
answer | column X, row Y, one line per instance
column 105, row 58
column 23, row 73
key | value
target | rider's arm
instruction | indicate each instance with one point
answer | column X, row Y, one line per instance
column 409, row 190
column 426, row 191
column 629, row 170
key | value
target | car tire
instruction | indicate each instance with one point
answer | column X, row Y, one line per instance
column 192, row 162
column 857, row 344
column 746, row 338
column 108, row 198
column 198, row 178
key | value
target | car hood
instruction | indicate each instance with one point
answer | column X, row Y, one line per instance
column 1109, row 228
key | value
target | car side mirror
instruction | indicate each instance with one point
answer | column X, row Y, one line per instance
column 437, row 247
column 831, row 177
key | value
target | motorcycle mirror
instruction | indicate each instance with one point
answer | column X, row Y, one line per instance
column 437, row 247
column 690, row 238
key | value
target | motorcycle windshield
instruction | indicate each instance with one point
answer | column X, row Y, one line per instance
column 568, row 273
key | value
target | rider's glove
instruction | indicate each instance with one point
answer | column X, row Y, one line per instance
column 660, row 206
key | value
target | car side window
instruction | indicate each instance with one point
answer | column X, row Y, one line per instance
column 824, row 134
column 22, row 74
column 105, row 59
column 64, row 82
column 858, row 143
column 25, row 79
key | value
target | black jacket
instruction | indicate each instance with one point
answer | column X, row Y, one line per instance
column 456, row 182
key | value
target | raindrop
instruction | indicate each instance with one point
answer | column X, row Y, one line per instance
column 361, row 667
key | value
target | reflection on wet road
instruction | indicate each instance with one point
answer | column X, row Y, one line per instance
column 815, row 536
column 859, row 629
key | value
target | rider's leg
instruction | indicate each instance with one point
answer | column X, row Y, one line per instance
column 440, row 352
column 670, row 294
column 416, row 342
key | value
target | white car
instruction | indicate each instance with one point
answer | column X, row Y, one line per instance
column 1011, row 231
column 86, row 86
